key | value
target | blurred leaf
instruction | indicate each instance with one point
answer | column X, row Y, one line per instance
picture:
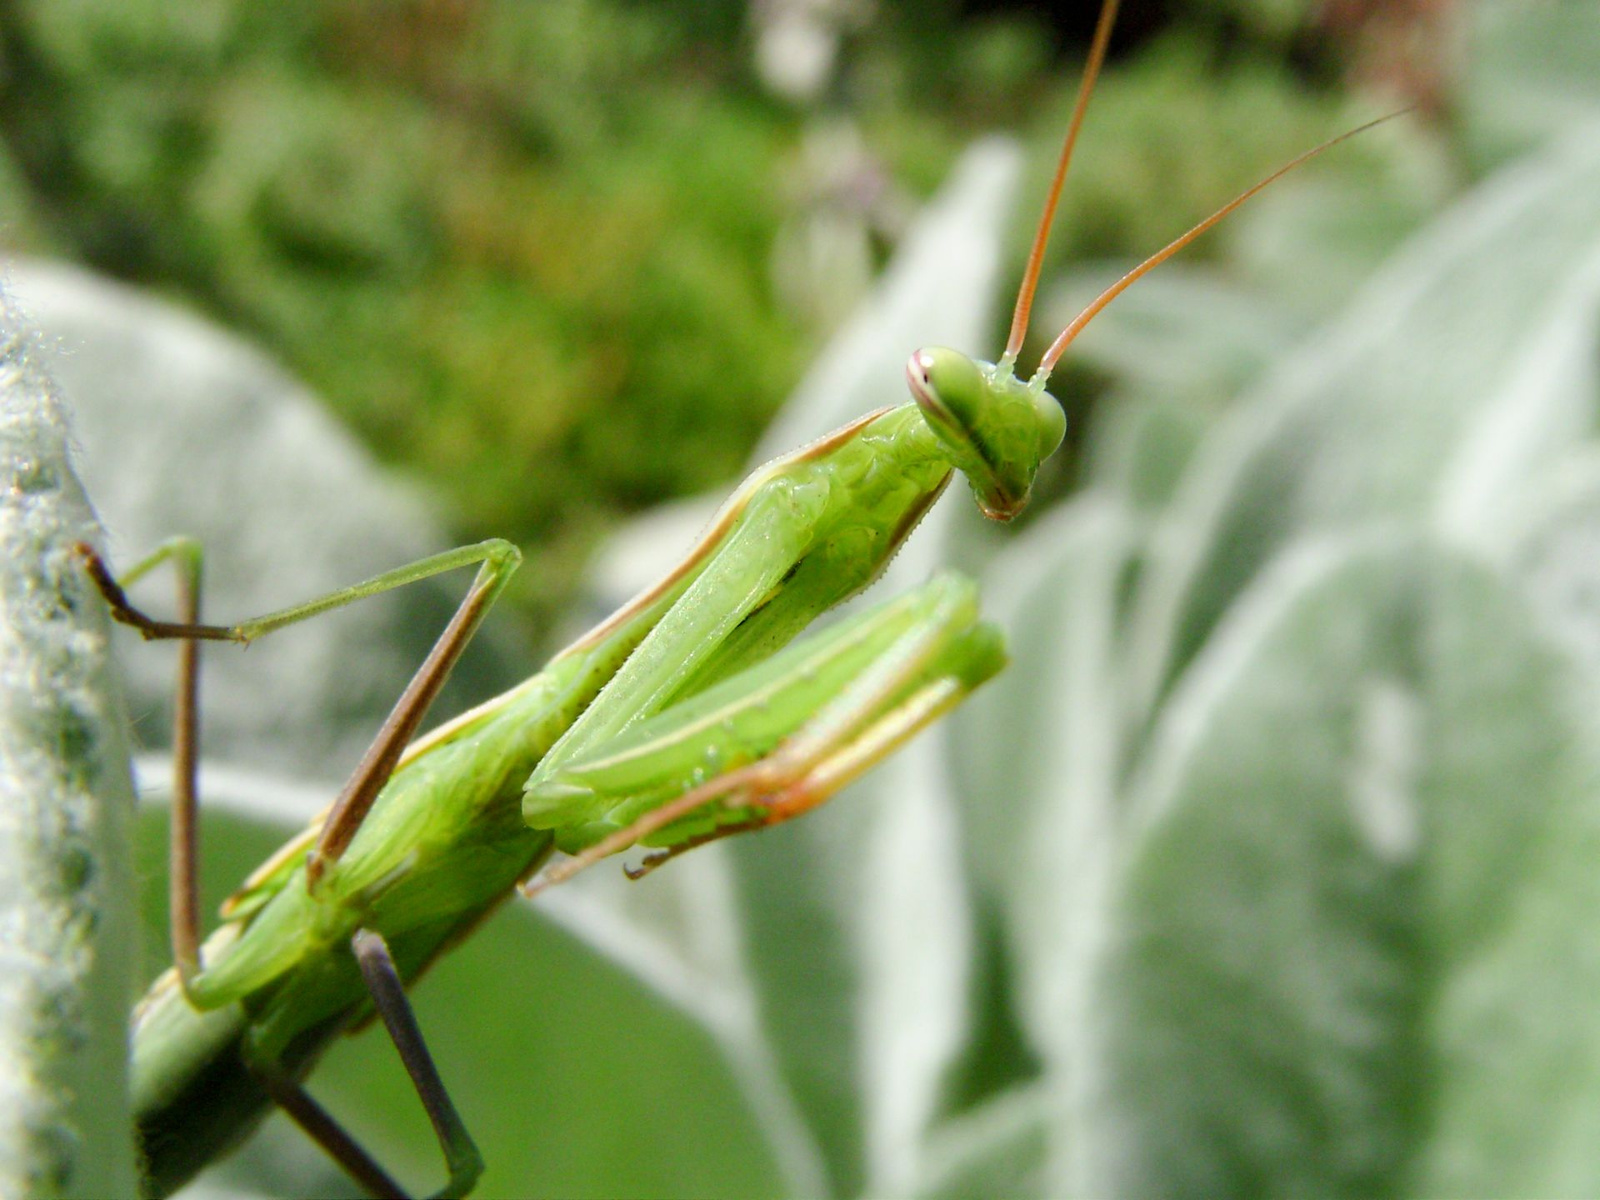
column 1510, row 908
column 1039, row 749
column 1464, row 365
column 1247, row 1000
column 1141, row 446
column 1180, row 346
column 683, row 936
column 997, row 1149
column 1529, row 74
column 1187, row 332
column 1349, row 890
column 1556, row 558
column 1312, row 239
column 64, row 802
column 186, row 429
column 1040, row 754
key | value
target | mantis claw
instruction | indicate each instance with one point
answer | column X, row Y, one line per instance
column 647, row 864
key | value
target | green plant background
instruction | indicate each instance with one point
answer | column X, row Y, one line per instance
column 1264, row 870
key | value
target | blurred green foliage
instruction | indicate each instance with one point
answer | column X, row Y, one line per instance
column 520, row 247
column 525, row 250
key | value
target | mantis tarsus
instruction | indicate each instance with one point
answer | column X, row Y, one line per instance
column 686, row 716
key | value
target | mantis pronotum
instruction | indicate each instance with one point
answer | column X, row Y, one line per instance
column 686, row 716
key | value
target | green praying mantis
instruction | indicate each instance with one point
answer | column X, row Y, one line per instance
column 691, row 714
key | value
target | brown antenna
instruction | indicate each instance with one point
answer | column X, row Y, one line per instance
column 1030, row 277
column 1059, row 346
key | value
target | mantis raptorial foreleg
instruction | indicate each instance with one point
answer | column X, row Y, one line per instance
column 785, row 734
column 798, row 776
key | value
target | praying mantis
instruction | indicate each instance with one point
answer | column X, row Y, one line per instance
column 695, row 712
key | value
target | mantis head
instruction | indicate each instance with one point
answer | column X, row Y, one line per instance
column 996, row 429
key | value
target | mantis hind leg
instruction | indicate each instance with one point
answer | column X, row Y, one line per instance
column 495, row 559
column 320, row 1127
column 462, row 1159
column 461, row 1155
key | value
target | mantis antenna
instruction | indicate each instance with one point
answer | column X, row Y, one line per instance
column 1059, row 346
column 1041, row 238
column 1030, row 278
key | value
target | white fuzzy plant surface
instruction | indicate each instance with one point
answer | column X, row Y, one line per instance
column 66, row 917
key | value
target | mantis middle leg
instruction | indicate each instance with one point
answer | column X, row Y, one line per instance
column 496, row 561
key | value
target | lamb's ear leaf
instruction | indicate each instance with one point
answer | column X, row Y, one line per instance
column 1528, row 76
column 66, row 801
column 1465, row 364
column 995, row 1149
column 1357, row 887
